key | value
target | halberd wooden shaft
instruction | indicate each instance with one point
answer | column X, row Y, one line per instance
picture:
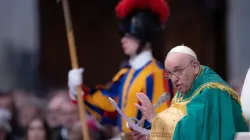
column 74, row 63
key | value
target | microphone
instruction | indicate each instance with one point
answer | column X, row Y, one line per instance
column 164, row 98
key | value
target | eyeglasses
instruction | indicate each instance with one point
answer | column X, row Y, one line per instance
column 178, row 73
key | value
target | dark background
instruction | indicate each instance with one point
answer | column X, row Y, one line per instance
column 199, row 24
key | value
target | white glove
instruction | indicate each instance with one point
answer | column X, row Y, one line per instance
column 74, row 80
column 75, row 77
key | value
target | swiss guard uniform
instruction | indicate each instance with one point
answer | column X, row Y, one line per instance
column 141, row 19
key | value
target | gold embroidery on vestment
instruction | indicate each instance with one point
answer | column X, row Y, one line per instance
column 163, row 129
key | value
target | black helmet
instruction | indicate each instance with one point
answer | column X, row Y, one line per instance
column 142, row 23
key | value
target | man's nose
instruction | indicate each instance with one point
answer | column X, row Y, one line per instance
column 174, row 79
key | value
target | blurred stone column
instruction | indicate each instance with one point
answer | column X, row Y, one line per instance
column 19, row 44
column 238, row 29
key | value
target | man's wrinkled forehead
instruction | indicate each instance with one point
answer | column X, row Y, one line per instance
column 176, row 60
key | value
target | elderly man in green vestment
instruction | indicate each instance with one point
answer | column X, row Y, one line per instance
column 205, row 107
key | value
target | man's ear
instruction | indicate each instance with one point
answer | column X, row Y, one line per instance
column 196, row 66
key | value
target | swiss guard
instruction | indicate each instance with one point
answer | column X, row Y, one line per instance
column 140, row 22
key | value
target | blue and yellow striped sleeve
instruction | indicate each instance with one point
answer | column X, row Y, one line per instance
column 97, row 103
column 99, row 97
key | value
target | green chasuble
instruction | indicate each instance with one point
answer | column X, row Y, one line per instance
column 211, row 110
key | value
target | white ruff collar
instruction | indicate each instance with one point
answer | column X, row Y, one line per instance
column 141, row 59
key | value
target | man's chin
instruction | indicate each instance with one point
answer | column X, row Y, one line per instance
column 178, row 88
column 181, row 90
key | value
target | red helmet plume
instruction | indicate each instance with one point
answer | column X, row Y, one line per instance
column 160, row 7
